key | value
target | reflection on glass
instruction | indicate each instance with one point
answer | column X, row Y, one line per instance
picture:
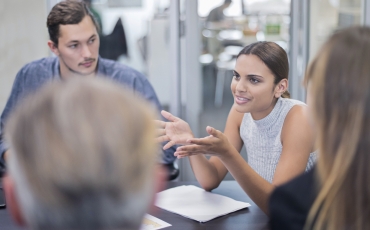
column 326, row 16
column 244, row 22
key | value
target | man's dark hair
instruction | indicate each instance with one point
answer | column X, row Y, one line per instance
column 66, row 13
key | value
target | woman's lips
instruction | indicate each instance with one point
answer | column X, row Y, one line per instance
column 241, row 100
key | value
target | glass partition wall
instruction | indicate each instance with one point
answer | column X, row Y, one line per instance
column 327, row 16
column 211, row 46
column 189, row 58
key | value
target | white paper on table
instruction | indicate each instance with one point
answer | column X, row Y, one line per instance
column 197, row 204
column 153, row 223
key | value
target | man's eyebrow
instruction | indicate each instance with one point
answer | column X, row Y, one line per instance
column 76, row 41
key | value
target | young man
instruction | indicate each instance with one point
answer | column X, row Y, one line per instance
column 70, row 168
column 74, row 40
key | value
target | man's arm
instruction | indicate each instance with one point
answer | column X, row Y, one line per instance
column 3, row 146
column 13, row 99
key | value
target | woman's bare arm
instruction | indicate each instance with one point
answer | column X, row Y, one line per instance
column 297, row 143
column 210, row 173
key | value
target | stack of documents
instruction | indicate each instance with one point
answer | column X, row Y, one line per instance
column 195, row 203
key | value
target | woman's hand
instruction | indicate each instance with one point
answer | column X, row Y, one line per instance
column 176, row 132
column 215, row 144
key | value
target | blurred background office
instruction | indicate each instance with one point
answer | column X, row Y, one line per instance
column 187, row 55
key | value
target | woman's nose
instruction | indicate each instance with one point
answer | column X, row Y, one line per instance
column 240, row 86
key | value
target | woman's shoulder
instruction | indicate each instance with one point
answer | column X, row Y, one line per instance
column 296, row 111
column 291, row 102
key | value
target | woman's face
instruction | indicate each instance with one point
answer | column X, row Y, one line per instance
column 253, row 87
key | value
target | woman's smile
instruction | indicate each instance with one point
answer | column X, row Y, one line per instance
column 241, row 100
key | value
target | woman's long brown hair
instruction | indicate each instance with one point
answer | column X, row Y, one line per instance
column 339, row 79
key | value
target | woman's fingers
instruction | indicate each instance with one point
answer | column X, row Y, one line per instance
column 160, row 132
column 160, row 124
column 191, row 148
column 169, row 116
column 214, row 132
column 163, row 139
column 180, row 154
column 169, row 144
column 201, row 141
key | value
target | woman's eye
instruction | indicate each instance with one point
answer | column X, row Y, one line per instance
column 91, row 41
column 254, row 80
column 237, row 77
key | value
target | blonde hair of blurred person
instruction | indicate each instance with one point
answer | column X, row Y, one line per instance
column 338, row 83
column 83, row 157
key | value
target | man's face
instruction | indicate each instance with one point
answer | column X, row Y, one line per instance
column 78, row 48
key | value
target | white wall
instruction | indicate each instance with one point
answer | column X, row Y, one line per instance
column 23, row 38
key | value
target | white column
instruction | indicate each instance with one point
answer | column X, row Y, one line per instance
column 175, row 102
column 298, row 55
column 366, row 12
column 193, row 69
column 193, row 78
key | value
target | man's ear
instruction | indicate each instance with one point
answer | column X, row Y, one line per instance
column 281, row 87
column 160, row 180
column 53, row 47
column 12, row 201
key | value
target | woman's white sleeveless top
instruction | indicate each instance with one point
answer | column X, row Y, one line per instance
column 262, row 139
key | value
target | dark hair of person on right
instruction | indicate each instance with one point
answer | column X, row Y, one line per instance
column 66, row 13
column 338, row 82
column 274, row 57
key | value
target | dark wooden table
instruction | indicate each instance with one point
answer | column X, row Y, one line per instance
column 250, row 219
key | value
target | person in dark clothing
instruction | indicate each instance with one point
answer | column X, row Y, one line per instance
column 293, row 201
column 336, row 194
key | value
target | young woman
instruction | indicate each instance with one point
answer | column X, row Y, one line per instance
column 274, row 129
column 336, row 194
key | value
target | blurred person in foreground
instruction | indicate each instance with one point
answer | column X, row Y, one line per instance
column 74, row 40
column 336, row 193
column 78, row 162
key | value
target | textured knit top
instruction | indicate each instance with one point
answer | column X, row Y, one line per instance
column 262, row 139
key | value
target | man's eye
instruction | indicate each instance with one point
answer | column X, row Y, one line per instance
column 73, row 46
column 91, row 41
column 237, row 77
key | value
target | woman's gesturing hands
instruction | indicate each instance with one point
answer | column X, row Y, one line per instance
column 215, row 144
column 176, row 131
